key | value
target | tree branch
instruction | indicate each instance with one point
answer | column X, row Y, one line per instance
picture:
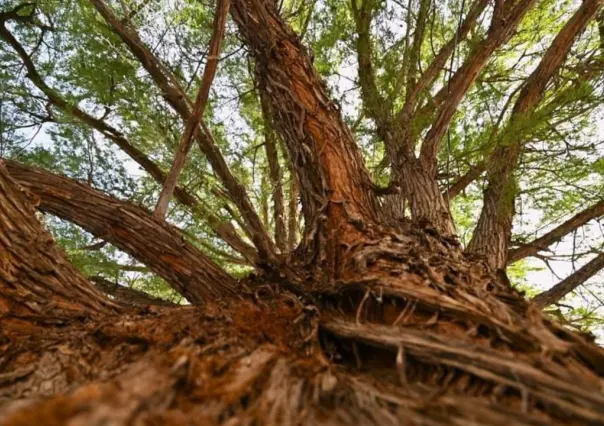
column 464, row 78
column 128, row 227
column 493, row 231
column 556, row 234
column 223, row 229
column 176, row 97
column 192, row 124
column 570, row 283
column 272, row 157
column 330, row 169
column 35, row 276
column 127, row 295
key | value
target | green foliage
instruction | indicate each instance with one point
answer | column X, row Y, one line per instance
column 561, row 165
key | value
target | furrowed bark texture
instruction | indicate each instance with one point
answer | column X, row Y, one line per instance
column 36, row 279
column 272, row 157
column 493, row 231
column 406, row 330
column 130, row 228
column 331, row 176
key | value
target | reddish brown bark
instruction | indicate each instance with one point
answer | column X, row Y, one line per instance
column 407, row 330
column 36, row 279
column 328, row 164
column 130, row 228
column 272, row 157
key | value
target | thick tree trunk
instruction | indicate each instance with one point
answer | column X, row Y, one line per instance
column 402, row 328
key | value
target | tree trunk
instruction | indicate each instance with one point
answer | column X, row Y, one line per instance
column 377, row 324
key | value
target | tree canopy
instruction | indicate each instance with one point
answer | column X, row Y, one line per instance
column 375, row 190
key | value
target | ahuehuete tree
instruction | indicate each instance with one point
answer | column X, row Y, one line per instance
column 378, row 314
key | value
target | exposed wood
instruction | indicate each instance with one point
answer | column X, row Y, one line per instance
column 570, row 283
column 130, row 228
column 192, row 123
column 555, row 235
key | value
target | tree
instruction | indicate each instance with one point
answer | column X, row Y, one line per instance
column 375, row 313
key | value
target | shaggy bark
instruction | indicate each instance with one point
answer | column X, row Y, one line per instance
column 401, row 328
column 36, row 279
column 272, row 158
column 130, row 228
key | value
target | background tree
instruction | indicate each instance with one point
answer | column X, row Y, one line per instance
column 344, row 223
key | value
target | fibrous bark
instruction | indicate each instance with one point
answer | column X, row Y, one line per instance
column 130, row 228
column 402, row 328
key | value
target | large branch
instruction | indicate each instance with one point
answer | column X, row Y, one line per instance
column 493, row 231
column 177, row 98
column 130, row 228
column 463, row 79
column 223, row 229
column 329, row 166
column 570, row 283
column 556, row 234
column 438, row 63
column 192, row 124
column 36, row 278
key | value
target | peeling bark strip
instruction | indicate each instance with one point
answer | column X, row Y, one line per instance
column 493, row 231
column 557, row 292
column 556, row 234
column 224, row 230
column 192, row 124
column 177, row 98
column 36, row 279
column 327, row 161
column 131, row 229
